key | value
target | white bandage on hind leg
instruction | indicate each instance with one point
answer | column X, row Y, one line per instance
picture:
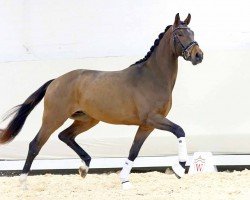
column 23, row 181
column 23, row 178
column 182, row 149
column 126, row 170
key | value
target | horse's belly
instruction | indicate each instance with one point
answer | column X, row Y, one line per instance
column 115, row 110
column 113, row 115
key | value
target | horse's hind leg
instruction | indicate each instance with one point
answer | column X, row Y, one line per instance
column 49, row 125
column 68, row 137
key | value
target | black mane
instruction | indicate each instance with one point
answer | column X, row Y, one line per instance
column 156, row 43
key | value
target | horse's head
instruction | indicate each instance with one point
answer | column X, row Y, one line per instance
column 183, row 41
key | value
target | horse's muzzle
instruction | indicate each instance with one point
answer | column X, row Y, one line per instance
column 197, row 57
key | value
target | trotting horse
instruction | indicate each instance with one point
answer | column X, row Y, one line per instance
column 141, row 95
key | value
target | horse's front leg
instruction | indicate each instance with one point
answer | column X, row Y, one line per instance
column 141, row 135
column 160, row 122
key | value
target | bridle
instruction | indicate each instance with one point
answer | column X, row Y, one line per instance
column 185, row 53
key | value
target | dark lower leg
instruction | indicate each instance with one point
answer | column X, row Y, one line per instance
column 34, row 148
column 68, row 137
column 73, row 145
column 136, row 146
column 33, row 152
column 163, row 123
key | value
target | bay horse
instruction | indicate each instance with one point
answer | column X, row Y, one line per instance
column 138, row 95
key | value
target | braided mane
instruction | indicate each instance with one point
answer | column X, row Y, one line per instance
column 156, row 43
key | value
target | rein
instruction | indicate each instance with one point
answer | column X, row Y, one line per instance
column 185, row 53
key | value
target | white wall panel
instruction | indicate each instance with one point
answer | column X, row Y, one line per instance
column 56, row 29
column 42, row 39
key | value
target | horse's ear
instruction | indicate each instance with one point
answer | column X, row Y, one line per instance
column 188, row 19
column 177, row 20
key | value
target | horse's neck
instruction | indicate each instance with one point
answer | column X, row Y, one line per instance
column 164, row 63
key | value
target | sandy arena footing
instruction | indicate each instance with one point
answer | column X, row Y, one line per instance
column 150, row 185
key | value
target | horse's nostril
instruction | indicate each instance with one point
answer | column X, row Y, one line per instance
column 198, row 56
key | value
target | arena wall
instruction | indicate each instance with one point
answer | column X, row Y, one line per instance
column 41, row 40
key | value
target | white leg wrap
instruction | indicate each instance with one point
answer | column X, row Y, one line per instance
column 126, row 170
column 183, row 156
column 178, row 170
column 127, row 186
column 182, row 149
column 23, row 181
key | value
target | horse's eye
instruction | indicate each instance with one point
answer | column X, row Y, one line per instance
column 180, row 34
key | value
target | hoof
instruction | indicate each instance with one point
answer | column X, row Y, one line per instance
column 127, row 185
column 178, row 170
column 83, row 171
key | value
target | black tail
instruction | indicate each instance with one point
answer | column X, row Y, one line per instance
column 21, row 113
